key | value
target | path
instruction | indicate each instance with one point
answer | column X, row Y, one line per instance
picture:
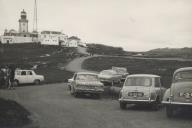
column 76, row 64
column 52, row 106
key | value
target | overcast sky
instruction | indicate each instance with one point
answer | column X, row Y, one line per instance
column 135, row 25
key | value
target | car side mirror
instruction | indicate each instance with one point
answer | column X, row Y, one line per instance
column 70, row 80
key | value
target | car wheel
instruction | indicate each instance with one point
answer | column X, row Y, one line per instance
column 37, row 82
column 123, row 105
column 169, row 111
column 16, row 83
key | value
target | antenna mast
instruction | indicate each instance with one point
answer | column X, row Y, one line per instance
column 35, row 18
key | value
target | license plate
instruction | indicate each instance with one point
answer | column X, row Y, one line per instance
column 135, row 94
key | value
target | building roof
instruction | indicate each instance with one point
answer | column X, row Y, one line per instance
column 74, row 38
column 12, row 31
column 51, row 32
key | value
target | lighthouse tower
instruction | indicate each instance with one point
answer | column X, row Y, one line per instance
column 23, row 23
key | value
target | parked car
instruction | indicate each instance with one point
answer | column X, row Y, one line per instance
column 85, row 83
column 27, row 76
column 179, row 95
column 121, row 71
column 141, row 89
column 109, row 76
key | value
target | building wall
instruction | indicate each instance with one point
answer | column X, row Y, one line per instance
column 15, row 39
column 49, row 39
column 7, row 39
column 19, row 39
column 72, row 43
column 23, row 26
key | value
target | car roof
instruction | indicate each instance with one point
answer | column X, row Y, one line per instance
column 89, row 73
column 183, row 69
column 143, row 75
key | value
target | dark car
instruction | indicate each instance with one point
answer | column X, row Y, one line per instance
column 179, row 95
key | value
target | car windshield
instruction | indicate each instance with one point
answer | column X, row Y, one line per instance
column 138, row 81
column 120, row 70
column 87, row 77
column 184, row 75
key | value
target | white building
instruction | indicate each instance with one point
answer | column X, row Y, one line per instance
column 53, row 38
column 72, row 41
column 15, row 39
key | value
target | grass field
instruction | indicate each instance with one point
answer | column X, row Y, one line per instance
column 12, row 114
column 49, row 60
column 164, row 68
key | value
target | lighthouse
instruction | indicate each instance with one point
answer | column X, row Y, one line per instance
column 23, row 23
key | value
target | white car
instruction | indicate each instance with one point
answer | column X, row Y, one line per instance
column 142, row 89
column 179, row 95
column 27, row 77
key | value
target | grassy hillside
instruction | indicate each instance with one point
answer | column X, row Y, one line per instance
column 170, row 52
column 104, row 49
column 50, row 60
column 164, row 68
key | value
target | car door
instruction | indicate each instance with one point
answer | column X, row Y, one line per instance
column 30, row 77
column 22, row 77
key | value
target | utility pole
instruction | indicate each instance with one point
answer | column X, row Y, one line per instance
column 35, row 17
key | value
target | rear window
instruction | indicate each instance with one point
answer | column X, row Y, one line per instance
column 138, row 81
column 87, row 77
column 183, row 76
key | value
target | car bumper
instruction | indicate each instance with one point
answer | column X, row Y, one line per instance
column 88, row 91
column 133, row 101
column 176, row 103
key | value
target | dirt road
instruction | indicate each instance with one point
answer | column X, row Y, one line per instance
column 53, row 107
column 75, row 65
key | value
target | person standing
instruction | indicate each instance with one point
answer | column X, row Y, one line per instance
column 2, row 81
column 7, row 76
column 11, row 77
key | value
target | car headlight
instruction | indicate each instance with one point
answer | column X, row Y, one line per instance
column 147, row 94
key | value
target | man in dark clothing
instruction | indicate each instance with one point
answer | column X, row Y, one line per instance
column 2, row 75
column 7, row 76
column 11, row 77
